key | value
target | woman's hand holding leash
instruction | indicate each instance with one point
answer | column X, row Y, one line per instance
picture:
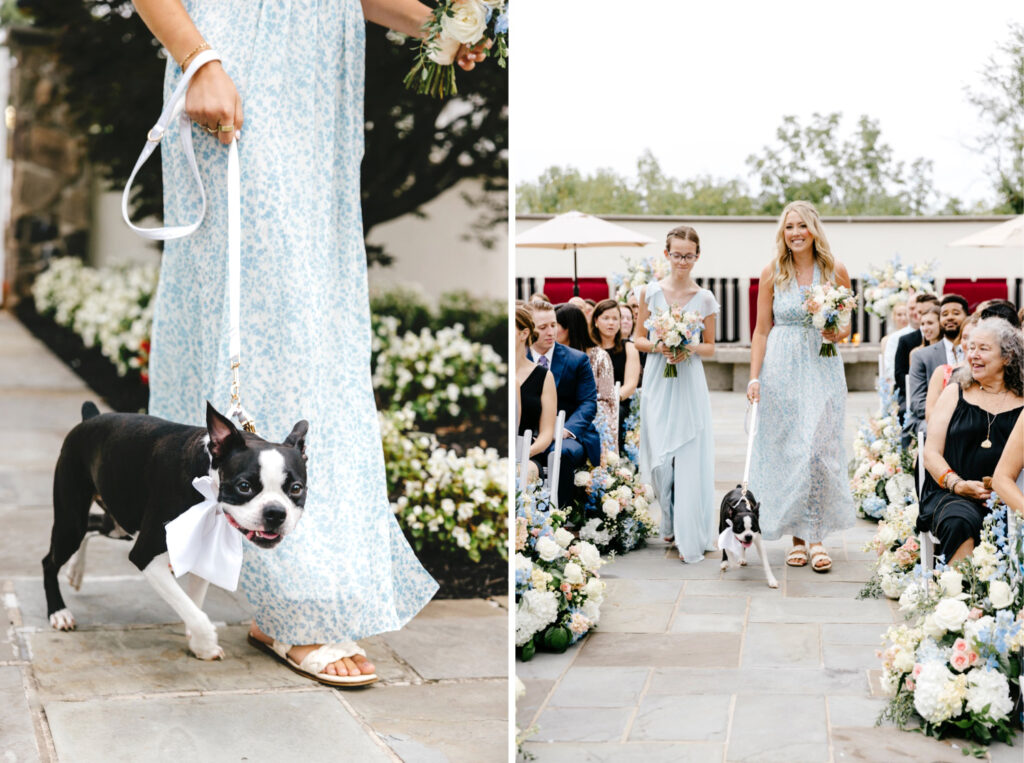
column 753, row 391
column 213, row 103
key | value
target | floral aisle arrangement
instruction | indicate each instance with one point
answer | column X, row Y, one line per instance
column 897, row 549
column 894, row 282
column 455, row 504
column 957, row 666
column 110, row 308
column 558, row 589
column 677, row 329
column 441, row 376
column 613, row 513
column 829, row 308
column 638, row 273
column 632, row 430
column 453, row 23
column 882, row 472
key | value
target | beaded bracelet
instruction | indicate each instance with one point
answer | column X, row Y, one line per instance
column 942, row 479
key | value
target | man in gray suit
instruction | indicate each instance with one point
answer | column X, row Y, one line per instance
column 923, row 362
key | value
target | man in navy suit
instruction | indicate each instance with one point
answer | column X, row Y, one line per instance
column 577, row 396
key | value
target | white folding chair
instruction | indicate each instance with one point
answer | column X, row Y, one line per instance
column 927, row 540
column 618, row 403
column 555, row 460
column 523, row 443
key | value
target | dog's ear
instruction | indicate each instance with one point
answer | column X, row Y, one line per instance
column 297, row 439
column 224, row 437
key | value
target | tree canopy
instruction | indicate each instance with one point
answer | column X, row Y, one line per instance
column 416, row 146
column 852, row 175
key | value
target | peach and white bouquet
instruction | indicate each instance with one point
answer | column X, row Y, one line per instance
column 829, row 308
column 677, row 329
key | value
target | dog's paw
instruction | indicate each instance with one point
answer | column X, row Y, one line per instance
column 743, row 562
column 62, row 620
column 204, row 645
column 773, row 583
column 724, row 566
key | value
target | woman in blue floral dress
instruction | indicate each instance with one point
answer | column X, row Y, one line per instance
column 798, row 469
column 297, row 68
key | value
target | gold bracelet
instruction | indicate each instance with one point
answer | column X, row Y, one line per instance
column 204, row 45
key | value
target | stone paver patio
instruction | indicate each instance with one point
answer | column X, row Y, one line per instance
column 123, row 687
column 690, row 664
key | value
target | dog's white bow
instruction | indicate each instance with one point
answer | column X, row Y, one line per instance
column 727, row 540
column 201, row 541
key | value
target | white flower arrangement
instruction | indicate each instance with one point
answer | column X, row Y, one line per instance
column 457, row 504
column 957, row 667
column 558, row 590
column 110, row 308
column 638, row 273
column 882, row 472
column 614, row 512
column 440, row 376
column 894, row 282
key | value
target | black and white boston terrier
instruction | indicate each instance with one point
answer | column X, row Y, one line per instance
column 739, row 513
column 139, row 469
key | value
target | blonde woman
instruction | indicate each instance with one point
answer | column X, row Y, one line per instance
column 798, row 470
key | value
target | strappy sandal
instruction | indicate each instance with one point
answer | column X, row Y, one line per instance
column 797, row 556
column 317, row 660
column 820, row 554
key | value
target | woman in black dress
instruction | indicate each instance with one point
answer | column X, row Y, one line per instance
column 536, row 391
column 606, row 328
column 967, row 434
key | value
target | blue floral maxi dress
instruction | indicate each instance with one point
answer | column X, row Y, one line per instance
column 797, row 469
column 347, row 571
column 677, row 449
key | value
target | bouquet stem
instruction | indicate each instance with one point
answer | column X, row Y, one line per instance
column 828, row 349
column 671, row 372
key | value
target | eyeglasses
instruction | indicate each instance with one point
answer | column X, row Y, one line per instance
column 677, row 257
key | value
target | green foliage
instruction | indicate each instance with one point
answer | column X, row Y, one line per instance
column 1000, row 103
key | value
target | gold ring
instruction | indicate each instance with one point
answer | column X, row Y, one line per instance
column 225, row 128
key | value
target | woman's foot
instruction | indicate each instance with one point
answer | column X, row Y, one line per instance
column 820, row 560
column 797, row 556
column 349, row 666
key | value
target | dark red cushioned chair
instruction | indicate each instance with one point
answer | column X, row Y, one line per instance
column 976, row 290
column 560, row 289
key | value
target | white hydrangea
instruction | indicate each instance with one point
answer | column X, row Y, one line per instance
column 937, row 697
column 989, row 687
column 535, row 611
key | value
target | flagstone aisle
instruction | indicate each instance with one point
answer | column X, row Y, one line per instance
column 123, row 686
column 692, row 664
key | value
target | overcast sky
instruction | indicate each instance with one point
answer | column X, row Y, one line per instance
column 705, row 84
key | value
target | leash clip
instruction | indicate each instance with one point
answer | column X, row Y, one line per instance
column 159, row 134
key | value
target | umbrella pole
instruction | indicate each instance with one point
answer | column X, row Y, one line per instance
column 575, row 276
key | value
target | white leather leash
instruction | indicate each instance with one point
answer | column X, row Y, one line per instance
column 751, row 431
column 173, row 115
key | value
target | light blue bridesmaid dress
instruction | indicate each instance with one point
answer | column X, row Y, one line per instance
column 798, row 467
column 347, row 571
column 677, row 450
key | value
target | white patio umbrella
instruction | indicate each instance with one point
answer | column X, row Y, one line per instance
column 1008, row 234
column 577, row 230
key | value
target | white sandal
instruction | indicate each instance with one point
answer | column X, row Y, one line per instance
column 821, row 553
column 797, row 556
column 317, row 660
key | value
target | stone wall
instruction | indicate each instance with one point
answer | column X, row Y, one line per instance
column 50, row 189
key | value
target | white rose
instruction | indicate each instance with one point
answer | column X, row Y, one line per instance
column 611, row 508
column 952, row 583
column 547, row 549
column 590, row 557
column 581, row 479
column 891, row 586
column 573, row 574
column 950, row 614
column 594, row 590
column 931, row 629
column 563, row 537
column 1000, row 594
column 468, row 22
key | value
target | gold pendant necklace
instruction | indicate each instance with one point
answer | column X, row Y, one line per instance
column 987, row 443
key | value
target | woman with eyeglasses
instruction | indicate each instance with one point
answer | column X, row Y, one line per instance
column 676, row 443
column 798, row 469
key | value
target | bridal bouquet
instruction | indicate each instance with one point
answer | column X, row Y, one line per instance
column 677, row 330
column 829, row 308
column 894, row 282
column 451, row 24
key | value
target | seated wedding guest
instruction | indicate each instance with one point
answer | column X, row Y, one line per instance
column 999, row 308
column 583, row 306
column 606, row 328
column 633, row 307
column 901, row 322
column 941, row 375
column 626, row 322
column 1006, row 481
column 943, row 347
column 539, row 297
column 574, row 332
column 906, row 343
column 537, row 399
column 967, row 435
column 577, row 396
